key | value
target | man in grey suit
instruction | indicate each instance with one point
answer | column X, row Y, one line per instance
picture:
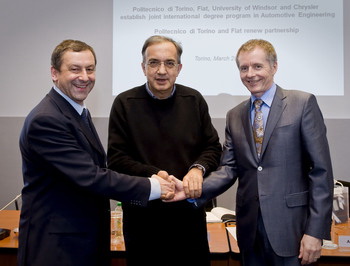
column 65, row 218
column 284, row 196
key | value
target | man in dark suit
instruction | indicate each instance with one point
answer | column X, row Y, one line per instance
column 284, row 195
column 65, row 217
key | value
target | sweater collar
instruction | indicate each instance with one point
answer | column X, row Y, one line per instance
column 155, row 97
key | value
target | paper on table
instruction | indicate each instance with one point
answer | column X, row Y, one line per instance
column 232, row 231
column 220, row 211
column 212, row 218
column 216, row 214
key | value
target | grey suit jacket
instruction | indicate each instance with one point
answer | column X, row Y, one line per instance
column 292, row 183
column 65, row 212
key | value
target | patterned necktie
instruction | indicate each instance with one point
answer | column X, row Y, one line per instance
column 258, row 126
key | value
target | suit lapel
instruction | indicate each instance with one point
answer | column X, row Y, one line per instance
column 72, row 114
column 277, row 107
column 247, row 125
column 92, row 135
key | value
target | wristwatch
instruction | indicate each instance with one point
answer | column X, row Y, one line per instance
column 199, row 166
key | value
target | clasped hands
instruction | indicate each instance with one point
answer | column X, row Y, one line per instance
column 173, row 189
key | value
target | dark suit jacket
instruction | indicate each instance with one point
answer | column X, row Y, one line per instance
column 65, row 216
column 292, row 183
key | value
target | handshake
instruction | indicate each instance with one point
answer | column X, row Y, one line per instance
column 173, row 189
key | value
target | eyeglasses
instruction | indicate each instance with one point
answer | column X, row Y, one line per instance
column 169, row 64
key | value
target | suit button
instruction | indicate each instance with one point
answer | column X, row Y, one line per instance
column 260, row 168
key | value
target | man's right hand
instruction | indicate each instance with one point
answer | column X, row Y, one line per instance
column 167, row 186
column 179, row 191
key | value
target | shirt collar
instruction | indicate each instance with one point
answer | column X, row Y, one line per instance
column 267, row 97
column 79, row 108
column 155, row 97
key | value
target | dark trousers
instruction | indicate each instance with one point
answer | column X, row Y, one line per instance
column 166, row 235
column 262, row 253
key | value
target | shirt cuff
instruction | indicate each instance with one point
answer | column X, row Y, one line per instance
column 155, row 189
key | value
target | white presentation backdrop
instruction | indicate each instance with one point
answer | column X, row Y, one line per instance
column 307, row 36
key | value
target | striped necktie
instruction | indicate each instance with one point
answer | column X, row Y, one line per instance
column 258, row 126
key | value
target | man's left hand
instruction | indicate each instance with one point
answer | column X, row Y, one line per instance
column 310, row 249
column 192, row 183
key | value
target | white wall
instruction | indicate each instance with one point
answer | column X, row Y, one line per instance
column 29, row 32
